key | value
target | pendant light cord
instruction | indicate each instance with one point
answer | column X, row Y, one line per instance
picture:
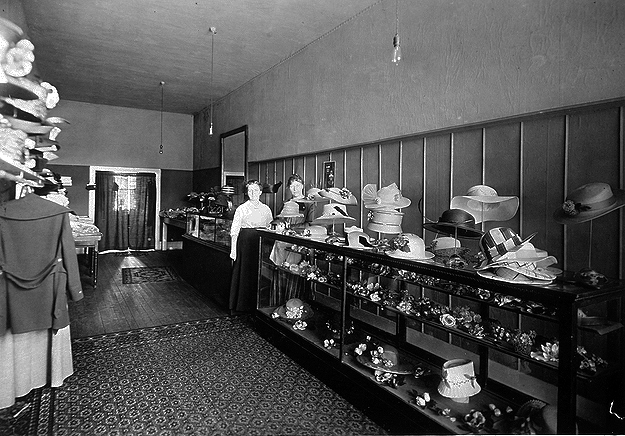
column 162, row 105
column 213, row 31
column 396, row 17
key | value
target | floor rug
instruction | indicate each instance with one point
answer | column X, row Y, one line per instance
column 209, row 377
column 133, row 276
column 130, row 253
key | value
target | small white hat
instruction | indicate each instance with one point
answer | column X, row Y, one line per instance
column 459, row 381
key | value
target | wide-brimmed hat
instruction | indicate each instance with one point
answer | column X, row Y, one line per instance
column 388, row 361
column 499, row 244
column 456, row 223
column 527, row 275
column 313, row 195
column 339, row 195
column 458, row 380
column 485, row 204
column 295, row 310
column 333, row 213
column 359, row 240
column 588, row 202
column 388, row 197
column 409, row 246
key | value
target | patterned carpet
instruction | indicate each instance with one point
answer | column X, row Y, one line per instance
column 133, row 276
column 210, row 377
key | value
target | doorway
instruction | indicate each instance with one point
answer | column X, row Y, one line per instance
column 124, row 206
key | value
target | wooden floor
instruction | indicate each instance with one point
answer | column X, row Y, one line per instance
column 113, row 306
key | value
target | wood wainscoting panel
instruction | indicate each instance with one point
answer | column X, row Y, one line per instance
column 502, row 165
column 543, row 182
column 412, row 184
column 437, row 165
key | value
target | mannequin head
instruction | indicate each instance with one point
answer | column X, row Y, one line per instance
column 296, row 186
column 253, row 189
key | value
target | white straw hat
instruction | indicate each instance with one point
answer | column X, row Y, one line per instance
column 485, row 204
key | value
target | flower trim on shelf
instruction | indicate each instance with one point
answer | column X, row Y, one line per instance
column 588, row 362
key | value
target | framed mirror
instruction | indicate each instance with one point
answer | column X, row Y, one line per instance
column 234, row 158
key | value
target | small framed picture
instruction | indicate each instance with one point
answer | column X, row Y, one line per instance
column 328, row 174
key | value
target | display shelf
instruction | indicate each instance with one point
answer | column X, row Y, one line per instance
column 310, row 335
column 19, row 171
column 416, row 336
column 209, row 228
column 462, row 292
column 501, row 346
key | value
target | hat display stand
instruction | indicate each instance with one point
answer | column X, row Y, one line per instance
column 455, row 260
column 588, row 276
column 334, row 222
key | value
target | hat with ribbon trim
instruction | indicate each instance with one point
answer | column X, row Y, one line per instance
column 385, row 221
column 333, row 213
column 588, row 202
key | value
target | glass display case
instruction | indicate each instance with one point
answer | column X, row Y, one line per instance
column 406, row 326
column 209, row 228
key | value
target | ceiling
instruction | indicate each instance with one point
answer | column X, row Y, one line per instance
column 116, row 52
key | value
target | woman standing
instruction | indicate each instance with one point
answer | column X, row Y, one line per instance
column 250, row 215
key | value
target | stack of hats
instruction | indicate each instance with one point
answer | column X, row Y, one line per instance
column 384, row 205
column 509, row 258
column 228, row 190
column 27, row 134
column 291, row 214
column 485, row 204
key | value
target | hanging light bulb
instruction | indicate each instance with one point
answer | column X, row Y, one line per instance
column 213, row 32
column 396, row 46
column 160, row 150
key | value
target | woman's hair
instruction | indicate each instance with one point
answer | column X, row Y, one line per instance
column 252, row 182
column 294, row 178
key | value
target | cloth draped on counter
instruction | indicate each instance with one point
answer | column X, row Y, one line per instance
column 39, row 273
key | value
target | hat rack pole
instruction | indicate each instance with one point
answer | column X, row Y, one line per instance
column 590, row 245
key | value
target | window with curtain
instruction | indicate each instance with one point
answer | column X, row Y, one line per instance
column 125, row 210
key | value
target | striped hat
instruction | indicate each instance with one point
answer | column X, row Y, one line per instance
column 500, row 241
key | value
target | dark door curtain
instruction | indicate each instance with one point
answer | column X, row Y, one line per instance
column 125, row 210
